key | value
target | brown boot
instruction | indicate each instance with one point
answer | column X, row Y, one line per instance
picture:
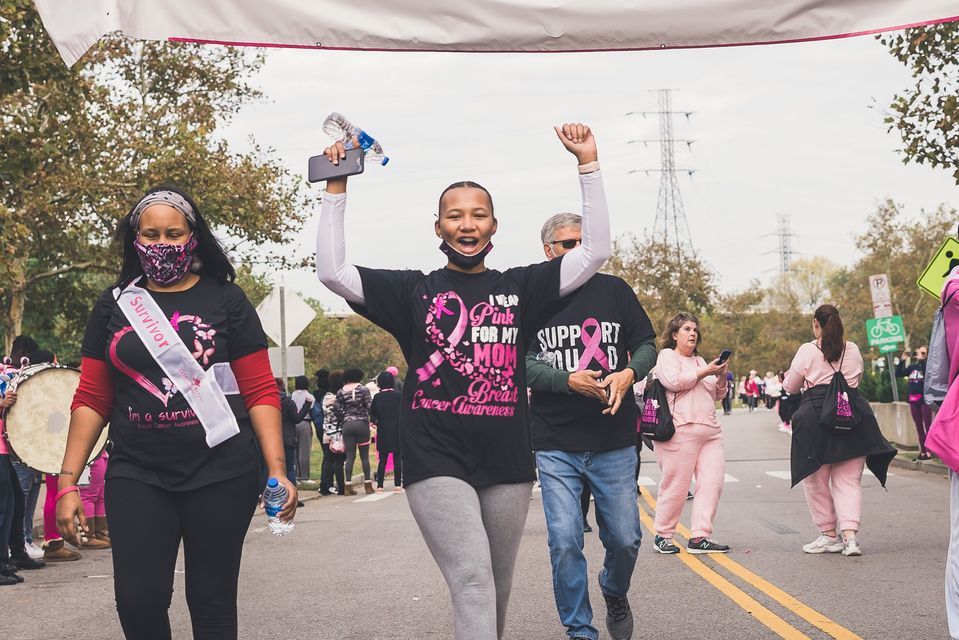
column 368, row 486
column 54, row 551
column 100, row 530
column 90, row 540
column 348, row 489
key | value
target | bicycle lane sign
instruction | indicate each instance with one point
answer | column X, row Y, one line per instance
column 885, row 333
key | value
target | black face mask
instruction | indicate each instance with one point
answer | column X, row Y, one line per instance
column 464, row 261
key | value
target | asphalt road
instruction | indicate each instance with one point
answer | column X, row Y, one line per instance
column 357, row 569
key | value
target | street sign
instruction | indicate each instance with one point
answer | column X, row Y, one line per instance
column 945, row 260
column 295, row 362
column 885, row 332
column 298, row 315
column 881, row 295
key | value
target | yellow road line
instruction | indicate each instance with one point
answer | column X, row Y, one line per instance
column 779, row 626
column 804, row 611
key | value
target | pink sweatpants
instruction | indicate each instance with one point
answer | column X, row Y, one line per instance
column 92, row 494
column 50, row 509
column 842, row 501
column 695, row 449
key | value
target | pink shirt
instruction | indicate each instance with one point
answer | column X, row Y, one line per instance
column 691, row 401
column 809, row 367
column 950, row 317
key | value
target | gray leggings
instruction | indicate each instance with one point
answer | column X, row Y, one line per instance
column 474, row 536
column 356, row 435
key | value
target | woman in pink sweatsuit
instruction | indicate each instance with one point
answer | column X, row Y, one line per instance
column 693, row 387
column 828, row 463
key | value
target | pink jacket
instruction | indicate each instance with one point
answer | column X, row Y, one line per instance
column 809, row 367
column 691, row 401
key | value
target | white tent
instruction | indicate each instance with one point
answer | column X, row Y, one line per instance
column 482, row 25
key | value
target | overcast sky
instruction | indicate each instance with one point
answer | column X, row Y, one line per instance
column 793, row 129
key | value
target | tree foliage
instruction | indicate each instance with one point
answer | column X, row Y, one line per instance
column 927, row 114
column 80, row 145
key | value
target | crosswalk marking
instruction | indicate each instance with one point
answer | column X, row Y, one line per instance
column 374, row 497
column 730, row 478
column 782, row 475
column 646, row 481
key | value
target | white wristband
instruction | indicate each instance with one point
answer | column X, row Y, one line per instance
column 589, row 167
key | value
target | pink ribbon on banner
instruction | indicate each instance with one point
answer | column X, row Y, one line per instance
column 436, row 312
column 592, row 344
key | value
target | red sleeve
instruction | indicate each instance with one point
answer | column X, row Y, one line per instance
column 96, row 387
column 255, row 380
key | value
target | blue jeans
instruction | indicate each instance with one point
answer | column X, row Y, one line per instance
column 30, row 485
column 610, row 476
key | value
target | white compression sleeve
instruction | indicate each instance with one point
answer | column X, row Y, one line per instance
column 331, row 268
column 582, row 263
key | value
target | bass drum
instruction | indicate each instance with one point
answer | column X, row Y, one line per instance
column 37, row 425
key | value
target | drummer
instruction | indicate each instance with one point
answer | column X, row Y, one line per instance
column 175, row 314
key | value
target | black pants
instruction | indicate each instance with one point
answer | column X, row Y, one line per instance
column 397, row 468
column 727, row 404
column 355, row 434
column 332, row 468
column 147, row 524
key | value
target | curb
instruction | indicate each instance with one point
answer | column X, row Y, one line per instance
column 928, row 466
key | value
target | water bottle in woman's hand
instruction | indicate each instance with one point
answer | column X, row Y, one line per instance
column 274, row 497
column 342, row 130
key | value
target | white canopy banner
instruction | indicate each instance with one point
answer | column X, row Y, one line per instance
column 482, row 25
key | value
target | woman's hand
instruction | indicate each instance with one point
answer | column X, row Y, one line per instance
column 69, row 511
column 292, row 497
column 578, row 140
column 334, row 153
column 714, row 369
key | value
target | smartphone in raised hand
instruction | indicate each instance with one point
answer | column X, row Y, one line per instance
column 724, row 356
column 320, row 167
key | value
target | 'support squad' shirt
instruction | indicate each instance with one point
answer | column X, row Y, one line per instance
column 465, row 409
column 157, row 437
column 602, row 325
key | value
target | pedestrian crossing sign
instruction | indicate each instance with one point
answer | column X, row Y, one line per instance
column 945, row 260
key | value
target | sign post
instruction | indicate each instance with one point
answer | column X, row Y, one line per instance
column 284, row 318
column 886, row 330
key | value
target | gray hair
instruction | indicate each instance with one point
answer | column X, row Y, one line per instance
column 557, row 222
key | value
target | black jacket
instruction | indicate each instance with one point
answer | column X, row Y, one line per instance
column 291, row 417
column 385, row 412
column 814, row 445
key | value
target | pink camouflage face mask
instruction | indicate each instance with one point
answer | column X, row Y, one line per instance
column 164, row 263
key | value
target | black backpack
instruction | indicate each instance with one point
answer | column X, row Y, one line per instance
column 656, row 421
column 840, row 409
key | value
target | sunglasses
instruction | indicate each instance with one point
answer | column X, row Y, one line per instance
column 567, row 244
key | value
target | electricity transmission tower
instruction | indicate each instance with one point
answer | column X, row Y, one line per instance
column 670, row 226
column 785, row 236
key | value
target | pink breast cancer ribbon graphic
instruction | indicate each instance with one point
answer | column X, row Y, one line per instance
column 448, row 347
column 591, row 342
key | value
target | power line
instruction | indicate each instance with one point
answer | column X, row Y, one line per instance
column 670, row 226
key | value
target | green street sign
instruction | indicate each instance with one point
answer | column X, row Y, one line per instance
column 934, row 275
column 888, row 348
column 885, row 333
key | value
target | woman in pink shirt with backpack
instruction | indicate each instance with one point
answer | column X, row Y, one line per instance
column 829, row 461
column 693, row 387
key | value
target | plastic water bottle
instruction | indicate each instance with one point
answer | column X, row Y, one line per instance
column 274, row 497
column 341, row 129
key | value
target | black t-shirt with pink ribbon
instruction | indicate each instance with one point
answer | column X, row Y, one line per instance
column 602, row 325
column 465, row 411
column 156, row 437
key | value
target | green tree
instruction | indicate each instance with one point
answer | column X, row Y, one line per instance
column 901, row 247
column 81, row 145
column 927, row 114
column 665, row 282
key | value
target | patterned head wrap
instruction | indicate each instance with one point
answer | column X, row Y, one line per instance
column 169, row 198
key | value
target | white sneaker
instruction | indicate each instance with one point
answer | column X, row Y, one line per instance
column 824, row 544
column 34, row 551
column 851, row 548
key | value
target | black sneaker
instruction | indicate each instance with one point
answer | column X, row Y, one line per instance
column 705, row 545
column 7, row 581
column 689, row 495
column 586, row 527
column 7, row 570
column 665, row 545
column 619, row 617
column 26, row 563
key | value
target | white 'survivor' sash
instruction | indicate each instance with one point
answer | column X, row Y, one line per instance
column 204, row 390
